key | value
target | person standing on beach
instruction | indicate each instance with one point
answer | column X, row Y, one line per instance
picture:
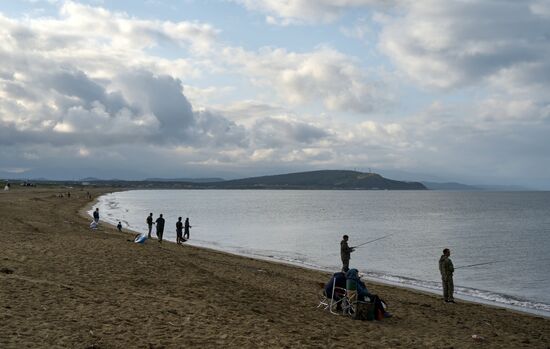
column 187, row 227
column 119, row 226
column 96, row 215
column 150, row 224
column 160, row 227
column 345, row 253
column 179, row 231
column 446, row 269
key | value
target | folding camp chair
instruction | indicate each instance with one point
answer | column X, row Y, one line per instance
column 333, row 300
column 351, row 302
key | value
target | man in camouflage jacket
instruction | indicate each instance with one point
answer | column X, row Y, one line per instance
column 446, row 269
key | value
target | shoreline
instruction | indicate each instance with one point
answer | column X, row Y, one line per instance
column 65, row 285
column 372, row 280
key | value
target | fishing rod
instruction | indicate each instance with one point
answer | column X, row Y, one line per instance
column 477, row 264
column 368, row 242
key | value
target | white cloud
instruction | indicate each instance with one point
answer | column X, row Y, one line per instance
column 286, row 12
column 302, row 78
column 465, row 42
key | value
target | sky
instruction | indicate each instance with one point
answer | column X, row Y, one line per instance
column 455, row 90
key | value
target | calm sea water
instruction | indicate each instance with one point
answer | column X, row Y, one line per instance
column 305, row 227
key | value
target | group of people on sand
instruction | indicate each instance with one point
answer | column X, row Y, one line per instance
column 182, row 228
column 349, row 278
column 343, row 279
column 446, row 268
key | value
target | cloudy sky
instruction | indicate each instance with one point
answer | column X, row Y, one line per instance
column 450, row 90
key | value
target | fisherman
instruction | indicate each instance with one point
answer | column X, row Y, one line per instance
column 446, row 269
column 160, row 227
column 179, row 231
column 149, row 224
column 96, row 215
column 186, row 227
column 345, row 253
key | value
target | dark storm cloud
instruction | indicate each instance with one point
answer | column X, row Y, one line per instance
column 70, row 107
column 271, row 132
column 163, row 97
column 78, row 84
column 216, row 130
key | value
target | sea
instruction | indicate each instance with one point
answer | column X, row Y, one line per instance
column 499, row 241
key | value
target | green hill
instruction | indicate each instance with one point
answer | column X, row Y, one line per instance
column 325, row 179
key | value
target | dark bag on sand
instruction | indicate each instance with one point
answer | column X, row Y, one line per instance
column 379, row 314
column 379, row 308
column 364, row 311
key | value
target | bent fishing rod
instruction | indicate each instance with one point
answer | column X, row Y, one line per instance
column 368, row 242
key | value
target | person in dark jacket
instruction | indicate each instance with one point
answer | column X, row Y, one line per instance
column 335, row 288
column 179, row 231
column 96, row 215
column 447, row 269
column 187, row 227
column 363, row 293
column 119, row 226
column 345, row 253
column 337, row 280
column 160, row 227
column 149, row 224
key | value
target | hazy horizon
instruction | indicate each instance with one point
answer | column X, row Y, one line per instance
column 395, row 175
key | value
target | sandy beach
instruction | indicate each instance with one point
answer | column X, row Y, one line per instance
column 66, row 286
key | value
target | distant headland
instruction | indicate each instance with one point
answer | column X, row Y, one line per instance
column 315, row 180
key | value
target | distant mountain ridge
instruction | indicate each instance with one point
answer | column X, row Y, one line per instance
column 323, row 179
column 320, row 180
column 191, row 180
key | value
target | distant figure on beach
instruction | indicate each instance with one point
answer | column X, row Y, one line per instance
column 7, row 187
column 88, row 195
column 179, row 231
column 69, row 194
column 96, row 215
column 186, row 227
column 149, row 224
column 119, row 226
column 345, row 253
column 446, row 269
column 160, row 227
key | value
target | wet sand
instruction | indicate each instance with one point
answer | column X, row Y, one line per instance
column 63, row 285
